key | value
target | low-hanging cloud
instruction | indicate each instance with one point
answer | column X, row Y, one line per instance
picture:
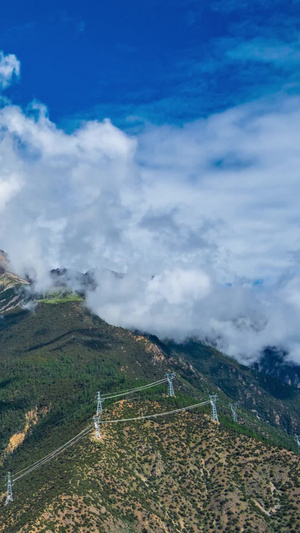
column 203, row 220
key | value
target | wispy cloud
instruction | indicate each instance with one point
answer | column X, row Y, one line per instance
column 9, row 69
column 283, row 54
column 251, row 51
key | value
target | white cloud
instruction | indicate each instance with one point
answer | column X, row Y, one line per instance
column 203, row 219
column 9, row 69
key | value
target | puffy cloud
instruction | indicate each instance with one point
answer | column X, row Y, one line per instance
column 203, row 220
column 65, row 205
column 9, row 69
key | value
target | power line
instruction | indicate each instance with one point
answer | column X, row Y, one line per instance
column 22, row 473
column 103, row 397
column 53, row 454
column 155, row 415
column 97, row 421
column 131, row 391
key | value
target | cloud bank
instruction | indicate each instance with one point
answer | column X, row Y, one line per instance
column 203, row 219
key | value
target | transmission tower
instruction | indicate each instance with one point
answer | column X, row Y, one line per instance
column 214, row 414
column 170, row 376
column 99, row 403
column 297, row 437
column 233, row 407
column 97, row 426
column 9, row 496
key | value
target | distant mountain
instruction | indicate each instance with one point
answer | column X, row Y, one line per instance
column 64, row 277
column 274, row 362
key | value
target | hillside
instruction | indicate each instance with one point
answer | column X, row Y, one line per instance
column 52, row 363
column 184, row 474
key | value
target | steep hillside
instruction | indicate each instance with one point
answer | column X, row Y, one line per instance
column 176, row 474
column 53, row 361
column 58, row 356
column 267, row 397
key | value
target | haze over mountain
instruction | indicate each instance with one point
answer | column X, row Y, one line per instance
column 178, row 204
column 16, row 292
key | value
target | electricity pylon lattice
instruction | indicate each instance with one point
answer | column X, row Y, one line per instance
column 170, row 376
column 99, row 403
column 233, row 407
column 297, row 437
column 214, row 414
column 9, row 496
column 97, row 426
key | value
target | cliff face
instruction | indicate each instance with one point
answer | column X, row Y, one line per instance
column 12, row 287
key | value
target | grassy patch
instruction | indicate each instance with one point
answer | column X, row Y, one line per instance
column 59, row 299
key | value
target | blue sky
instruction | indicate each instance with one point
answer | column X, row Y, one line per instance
column 191, row 187
column 161, row 61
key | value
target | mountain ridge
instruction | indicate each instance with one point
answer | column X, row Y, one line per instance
column 53, row 361
column 14, row 294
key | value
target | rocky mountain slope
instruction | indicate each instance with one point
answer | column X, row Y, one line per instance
column 12, row 293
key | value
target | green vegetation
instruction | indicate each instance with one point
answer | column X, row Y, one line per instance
column 58, row 298
column 52, row 363
column 181, row 473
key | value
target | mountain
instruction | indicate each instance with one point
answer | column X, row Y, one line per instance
column 184, row 474
column 64, row 277
column 12, row 287
column 274, row 362
column 178, row 473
